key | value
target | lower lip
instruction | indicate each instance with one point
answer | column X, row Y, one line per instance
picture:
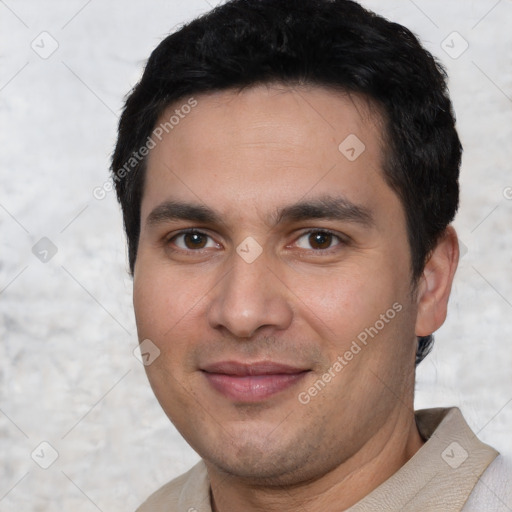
column 252, row 388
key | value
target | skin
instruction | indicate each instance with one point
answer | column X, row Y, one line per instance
column 246, row 155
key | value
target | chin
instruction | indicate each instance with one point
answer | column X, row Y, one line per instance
column 259, row 469
column 260, row 462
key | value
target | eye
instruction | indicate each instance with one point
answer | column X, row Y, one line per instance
column 192, row 240
column 318, row 240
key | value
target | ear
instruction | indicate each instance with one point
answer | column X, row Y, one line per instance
column 436, row 283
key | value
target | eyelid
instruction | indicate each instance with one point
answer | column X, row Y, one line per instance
column 342, row 239
column 170, row 238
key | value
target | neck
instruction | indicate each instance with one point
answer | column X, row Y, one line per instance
column 378, row 459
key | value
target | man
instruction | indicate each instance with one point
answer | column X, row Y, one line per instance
column 288, row 172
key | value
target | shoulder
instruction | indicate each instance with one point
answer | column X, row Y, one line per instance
column 189, row 491
column 494, row 488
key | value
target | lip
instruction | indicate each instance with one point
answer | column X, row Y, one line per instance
column 252, row 382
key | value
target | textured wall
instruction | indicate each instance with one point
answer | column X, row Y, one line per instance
column 68, row 376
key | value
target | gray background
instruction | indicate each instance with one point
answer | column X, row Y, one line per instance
column 68, row 375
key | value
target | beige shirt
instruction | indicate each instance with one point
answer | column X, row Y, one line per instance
column 439, row 477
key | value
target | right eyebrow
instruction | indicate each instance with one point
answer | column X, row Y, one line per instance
column 175, row 210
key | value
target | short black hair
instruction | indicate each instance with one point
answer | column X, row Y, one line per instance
column 329, row 43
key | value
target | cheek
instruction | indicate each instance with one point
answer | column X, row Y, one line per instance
column 165, row 305
column 171, row 309
column 149, row 302
column 345, row 301
column 162, row 299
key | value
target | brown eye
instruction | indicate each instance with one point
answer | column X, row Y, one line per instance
column 318, row 240
column 193, row 240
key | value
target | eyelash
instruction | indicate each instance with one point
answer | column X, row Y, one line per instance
column 194, row 231
column 189, row 231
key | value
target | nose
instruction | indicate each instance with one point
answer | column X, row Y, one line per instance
column 249, row 299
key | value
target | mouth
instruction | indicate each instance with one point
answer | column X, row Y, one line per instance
column 253, row 382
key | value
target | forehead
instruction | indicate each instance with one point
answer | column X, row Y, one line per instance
column 274, row 113
column 235, row 147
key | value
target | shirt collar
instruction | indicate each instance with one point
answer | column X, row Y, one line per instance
column 441, row 474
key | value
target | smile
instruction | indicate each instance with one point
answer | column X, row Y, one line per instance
column 250, row 383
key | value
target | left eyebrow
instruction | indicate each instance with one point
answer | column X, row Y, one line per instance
column 326, row 207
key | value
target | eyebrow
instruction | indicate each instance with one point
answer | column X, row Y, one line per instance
column 326, row 207
column 175, row 210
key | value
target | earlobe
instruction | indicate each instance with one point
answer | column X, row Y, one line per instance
column 436, row 282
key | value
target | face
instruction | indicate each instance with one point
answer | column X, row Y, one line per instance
column 273, row 274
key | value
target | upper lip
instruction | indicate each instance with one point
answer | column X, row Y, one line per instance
column 247, row 369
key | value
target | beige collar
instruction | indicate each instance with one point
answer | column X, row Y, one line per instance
column 442, row 473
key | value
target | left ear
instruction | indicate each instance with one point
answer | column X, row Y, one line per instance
column 436, row 283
